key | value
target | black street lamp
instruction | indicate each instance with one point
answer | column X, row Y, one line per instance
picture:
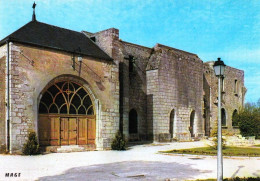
column 219, row 68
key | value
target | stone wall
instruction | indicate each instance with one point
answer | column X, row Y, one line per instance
column 33, row 68
column 175, row 84
column 3, row 72
column 108, row 41
column 132, row 85
column 136, row 84
column 163, row 79
column 165, row 84
column 152, row 95
column 232, row 99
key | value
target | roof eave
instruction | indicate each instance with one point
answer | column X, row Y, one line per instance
column 55, row 48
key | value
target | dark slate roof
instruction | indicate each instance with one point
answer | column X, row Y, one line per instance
column 45, row 35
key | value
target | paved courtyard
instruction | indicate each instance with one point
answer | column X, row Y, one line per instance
column 141, row 162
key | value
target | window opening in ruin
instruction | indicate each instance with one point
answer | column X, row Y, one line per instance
column 66, row 97
column 171, row 130
column 133, row 121
column 191, row 128
column 223, row 117
column 235, row 87
column 206, row 117
column 234, row 118
column 131, row 64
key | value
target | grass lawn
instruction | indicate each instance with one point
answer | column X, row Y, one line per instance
column 228, row 151
column 233, row 179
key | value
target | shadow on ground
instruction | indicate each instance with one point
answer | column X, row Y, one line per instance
column 130, row 170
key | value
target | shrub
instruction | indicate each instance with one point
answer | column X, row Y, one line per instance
column 119, row 142
column 31, row 147
column 214, row 133
column 248, row 120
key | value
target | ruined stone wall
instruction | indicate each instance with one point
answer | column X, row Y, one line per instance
column 173, row 80
column 137, row 84
column 152, row 101
column 132, row 85
column 232, row 99
column 179, row 87
column 33, row 68
column 206, row 104
column 3, row 56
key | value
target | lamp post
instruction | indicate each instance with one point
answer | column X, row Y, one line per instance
column 219, row 68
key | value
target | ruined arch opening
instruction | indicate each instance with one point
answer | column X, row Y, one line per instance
column 171, row 124
column 234, row 118
column 206, row 116
column 223, row 117
column 66, row 114
column 191, row 128
column 133, row 122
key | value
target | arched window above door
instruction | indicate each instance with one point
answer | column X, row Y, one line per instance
column 66, row 97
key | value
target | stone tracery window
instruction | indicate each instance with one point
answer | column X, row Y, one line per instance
column 66, row 97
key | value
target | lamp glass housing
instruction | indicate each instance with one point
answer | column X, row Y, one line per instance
column 80, row 58
column 219, row 68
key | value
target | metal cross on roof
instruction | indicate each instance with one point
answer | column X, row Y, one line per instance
column 34, row 16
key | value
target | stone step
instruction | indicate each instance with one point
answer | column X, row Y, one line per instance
column 70, row 148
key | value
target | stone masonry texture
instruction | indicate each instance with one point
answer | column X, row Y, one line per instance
column 3, row 56
column 172, row 91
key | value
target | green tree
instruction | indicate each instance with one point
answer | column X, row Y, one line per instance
column 248, row 120
column 214, row 134
column 258, row 103
column 119, row 142
column 31, row 147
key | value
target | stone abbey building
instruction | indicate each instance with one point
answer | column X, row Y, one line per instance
column 80, row 88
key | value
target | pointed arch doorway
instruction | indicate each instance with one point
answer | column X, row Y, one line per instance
column 191, row 128
column 66, row 115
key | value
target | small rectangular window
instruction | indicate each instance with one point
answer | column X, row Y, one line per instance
column 131, row 64
column 235, row 87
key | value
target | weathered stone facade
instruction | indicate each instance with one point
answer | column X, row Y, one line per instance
column 233, row 95
column 163, row 80
column 3, row 55
column 179, row 87
column 158, row 93
column 33, row 68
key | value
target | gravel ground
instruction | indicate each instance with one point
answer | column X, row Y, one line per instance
column 141, row 162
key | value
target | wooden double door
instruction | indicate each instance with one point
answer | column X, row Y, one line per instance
column 55, row 131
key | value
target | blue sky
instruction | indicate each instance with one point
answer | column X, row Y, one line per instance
column 223, row 28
